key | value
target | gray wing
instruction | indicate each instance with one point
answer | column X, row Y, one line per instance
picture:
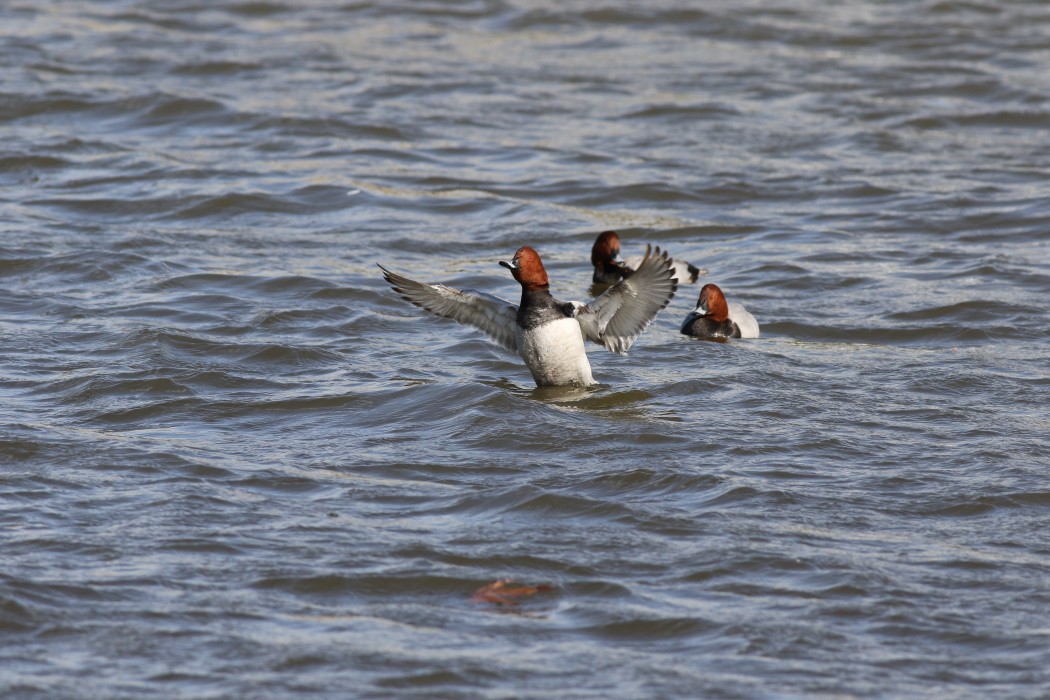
column 687, row 273
column 494, row 316
column 617, row 317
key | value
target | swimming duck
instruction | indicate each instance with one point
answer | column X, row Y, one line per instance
column 609, row 267
column 548, row 334
column 715, row 319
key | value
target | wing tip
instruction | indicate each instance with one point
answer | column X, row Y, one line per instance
column 390, row 277
column 400, row 283
column 666, row 273
column 694, row 272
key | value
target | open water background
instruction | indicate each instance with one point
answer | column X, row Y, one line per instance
column 234, row 464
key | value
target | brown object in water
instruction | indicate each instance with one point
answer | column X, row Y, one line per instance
column 504, row 591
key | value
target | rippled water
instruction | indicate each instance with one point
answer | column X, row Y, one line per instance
column 234, row 464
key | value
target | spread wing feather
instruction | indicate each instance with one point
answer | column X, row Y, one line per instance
column 687, row 273
column 617, row 317
column 493, row 316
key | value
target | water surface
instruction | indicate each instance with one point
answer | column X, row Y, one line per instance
column 233, row 463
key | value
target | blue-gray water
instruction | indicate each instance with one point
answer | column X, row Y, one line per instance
column 233, row 463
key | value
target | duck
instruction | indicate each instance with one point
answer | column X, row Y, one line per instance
column 715, row 319
column 547, row 333
column 609, row 267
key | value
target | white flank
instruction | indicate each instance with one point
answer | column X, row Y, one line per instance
column 743, row 319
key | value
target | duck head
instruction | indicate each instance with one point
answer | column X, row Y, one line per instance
column 527, row 268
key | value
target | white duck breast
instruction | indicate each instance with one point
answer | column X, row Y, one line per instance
column 546, row 333
column 554, row 353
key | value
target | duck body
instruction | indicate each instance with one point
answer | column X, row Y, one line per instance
column 550, row 340
column 610, row 268
column 704, row 327
column 715, row 319
column 555, row 354
column 546, row 333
